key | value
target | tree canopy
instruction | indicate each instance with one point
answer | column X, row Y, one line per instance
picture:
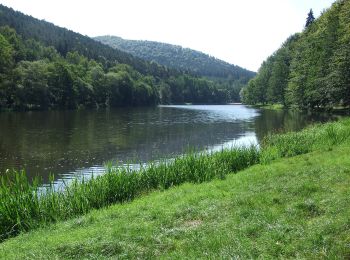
column 311, row 70
column 43, row 66
column 186, row 60
column 174, row 56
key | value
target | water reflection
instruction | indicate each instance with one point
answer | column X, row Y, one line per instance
column 277, row 121
column 80, row 142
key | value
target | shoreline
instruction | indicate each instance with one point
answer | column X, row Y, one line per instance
column 299, row 183
column 125, row 184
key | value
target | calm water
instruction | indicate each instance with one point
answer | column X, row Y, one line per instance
column 70, row 143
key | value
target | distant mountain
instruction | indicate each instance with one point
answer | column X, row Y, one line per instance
column 184, row 59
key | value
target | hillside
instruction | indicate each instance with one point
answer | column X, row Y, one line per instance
column 311, row 70
column 64, row 41
column 231, row 77
column 43, row 66
column 174, row 56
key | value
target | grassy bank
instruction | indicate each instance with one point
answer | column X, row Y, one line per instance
column 23, row 208
column 294, row 207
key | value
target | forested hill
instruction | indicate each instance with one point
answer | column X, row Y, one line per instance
column 64, row 41
column 311, row 70
column 184, row 59
column 43, row 66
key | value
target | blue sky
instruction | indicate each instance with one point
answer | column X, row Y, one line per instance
column 242, row 32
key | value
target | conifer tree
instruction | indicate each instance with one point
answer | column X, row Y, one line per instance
column 310, row 18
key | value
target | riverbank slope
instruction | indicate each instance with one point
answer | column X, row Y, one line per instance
column 291, row 207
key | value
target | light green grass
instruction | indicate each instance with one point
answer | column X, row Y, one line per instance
column 286, row 208
column 23, row 208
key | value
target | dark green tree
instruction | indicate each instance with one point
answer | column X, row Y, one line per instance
column 31, row 84
column 310, row 18
column 6, row 54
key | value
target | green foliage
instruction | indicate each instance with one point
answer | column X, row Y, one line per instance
column 43, row 79
column 65, row 41
column 230, row 78
column 32, row 84
column 180, row 58
column 311, row 69
column 46, row 67
column 6, row 54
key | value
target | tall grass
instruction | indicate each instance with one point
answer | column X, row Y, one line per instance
column 24, row 207
column 315, row 137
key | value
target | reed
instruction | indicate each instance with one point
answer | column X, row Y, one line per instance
column 315, row 137
column 23, row 207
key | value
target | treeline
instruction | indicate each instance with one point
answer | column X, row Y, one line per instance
column 174, row 56
column 312, row 69
column 33, row 76
column 37, row 77
column 232, row 77
column 36, row 72
column 65, row 41
column 190, row 89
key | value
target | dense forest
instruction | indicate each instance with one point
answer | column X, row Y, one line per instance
column 43, row 66
column 311, row 70
column 174, row 56
column 185, row 59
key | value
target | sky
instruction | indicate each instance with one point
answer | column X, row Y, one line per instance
column 241, row 32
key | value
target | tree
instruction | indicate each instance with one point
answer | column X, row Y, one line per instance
column 164, row 93
column 60, row 84
column 6, row 54
column 310, row 18
column 31, row 84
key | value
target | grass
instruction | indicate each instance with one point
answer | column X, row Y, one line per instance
column 23, row 207
column 278, row 208
column 291, row 208
column 316, row 137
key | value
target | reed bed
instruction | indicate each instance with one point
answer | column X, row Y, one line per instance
column 314, row 137
column 23, row 207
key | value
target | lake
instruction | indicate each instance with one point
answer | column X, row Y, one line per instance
column 75, row 143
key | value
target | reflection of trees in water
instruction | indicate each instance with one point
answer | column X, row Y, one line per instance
column 275, row 121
